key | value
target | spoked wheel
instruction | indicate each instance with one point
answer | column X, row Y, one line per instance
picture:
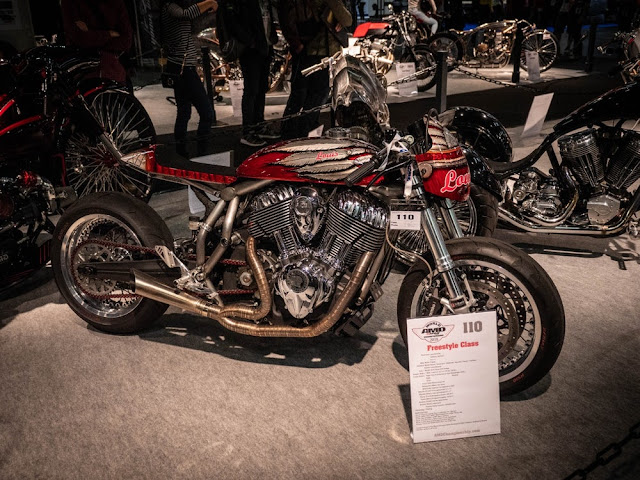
column 530, row 316
column 423, row 60
column 90, row 166
column 448, row 42
column 543, row 42
column 111, row 227
column 478, row 217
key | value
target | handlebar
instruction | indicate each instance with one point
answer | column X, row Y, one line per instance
column 366, row 169
column 324, row 63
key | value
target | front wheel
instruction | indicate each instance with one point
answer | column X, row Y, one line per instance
column 543, row 42
column 107, row 227
column 530, row 315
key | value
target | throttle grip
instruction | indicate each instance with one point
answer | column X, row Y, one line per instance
column 365, row 170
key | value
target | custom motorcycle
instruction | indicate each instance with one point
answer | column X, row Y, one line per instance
column 590, row 190
column 298, row 244
column 61, row 135
column 222, row 72
column 491, row 44
column 381, row 44
column 628, row 46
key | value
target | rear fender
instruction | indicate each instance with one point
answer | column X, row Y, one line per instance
column 481, row 131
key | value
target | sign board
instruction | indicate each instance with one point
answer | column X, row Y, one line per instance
column 533, row 65
column 236, row 87
column 403, row 70
column 316, row 132
column 537, row 114
column 453, row 366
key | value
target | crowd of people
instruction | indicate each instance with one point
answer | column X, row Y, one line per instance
column 310, row 27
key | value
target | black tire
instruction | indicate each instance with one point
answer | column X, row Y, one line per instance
column 543, row 42
column 449, row 42
column 89, row 166
column 478, row 217
column 115, row 217
column 499, row 273
column 423, row 59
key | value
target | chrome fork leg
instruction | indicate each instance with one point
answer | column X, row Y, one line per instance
column 444, row 263
column 450, row 219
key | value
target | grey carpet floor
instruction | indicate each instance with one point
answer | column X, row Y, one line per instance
column 189, row 400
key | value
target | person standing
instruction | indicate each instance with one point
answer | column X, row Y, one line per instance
column 182, row 57
column 101, row 25
column 414, row 9
column 310, row 41
column 251, row 24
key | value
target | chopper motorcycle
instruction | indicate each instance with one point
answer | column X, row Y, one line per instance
column 490, row 45
column 381, row 44
column 61, row 136
column 298, row 245
column 590, row 190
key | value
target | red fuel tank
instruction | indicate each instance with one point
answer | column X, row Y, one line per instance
column 323, row 159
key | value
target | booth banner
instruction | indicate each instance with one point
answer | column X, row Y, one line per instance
column 453, row 367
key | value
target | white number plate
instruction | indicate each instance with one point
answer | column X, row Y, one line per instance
column 404, row 220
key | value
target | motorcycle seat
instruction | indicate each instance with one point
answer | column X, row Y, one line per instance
column 171, row 163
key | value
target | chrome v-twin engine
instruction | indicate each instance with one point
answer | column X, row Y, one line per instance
column 317, row 237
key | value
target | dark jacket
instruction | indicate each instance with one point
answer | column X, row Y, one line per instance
column 244, row 23
column 302, row 27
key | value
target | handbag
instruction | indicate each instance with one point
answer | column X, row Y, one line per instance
column 170, row 78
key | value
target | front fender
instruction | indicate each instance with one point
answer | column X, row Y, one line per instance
column 482, row 174
column 481, row 131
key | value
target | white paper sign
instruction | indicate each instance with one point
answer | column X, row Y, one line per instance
column 316, row 132
column 533, row 65
column 408, row 88
column 236, row 87
column 537, row 114
column 404, row 220
column 453, row 365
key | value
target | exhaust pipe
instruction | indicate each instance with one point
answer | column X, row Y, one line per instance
column 148, row 287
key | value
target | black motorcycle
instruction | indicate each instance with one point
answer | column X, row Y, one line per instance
column 62, row 135
column 590, row 190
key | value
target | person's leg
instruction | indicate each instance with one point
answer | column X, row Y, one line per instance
column 299, row 88
column 200, row 100
column 249, row 63
column 183, row 114
column 317, row 94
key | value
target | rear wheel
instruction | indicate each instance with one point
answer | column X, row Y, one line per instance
column 90, row 167
column 530, row 315
column 449, row 43
column 423, row 60
column 106, row 227
column 543, row 42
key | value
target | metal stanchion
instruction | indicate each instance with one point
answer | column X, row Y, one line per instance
column 516, row 53
column 206, row 67
column 593, row 26
column 441, row 76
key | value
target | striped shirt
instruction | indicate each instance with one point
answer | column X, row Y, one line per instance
column 176, row 31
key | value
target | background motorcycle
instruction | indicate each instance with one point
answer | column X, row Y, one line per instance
column 628, row 44
column 222, row 72
column 590, row 190
column 490, row 44
column 60, row 134
column 395, row 40
column 298, row 246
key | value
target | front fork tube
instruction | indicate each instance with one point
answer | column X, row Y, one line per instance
column 457, row 301
column 451, row 221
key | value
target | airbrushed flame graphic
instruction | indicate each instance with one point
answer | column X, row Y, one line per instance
column 312, row 157
column 324, row 167
column 318, row 144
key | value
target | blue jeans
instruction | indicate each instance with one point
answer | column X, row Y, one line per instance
column 189, row 91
